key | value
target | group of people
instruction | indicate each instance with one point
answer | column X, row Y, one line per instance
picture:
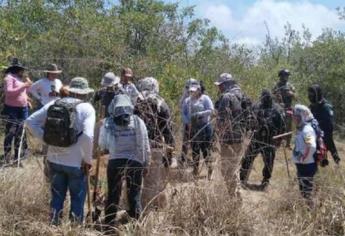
column 135, row 129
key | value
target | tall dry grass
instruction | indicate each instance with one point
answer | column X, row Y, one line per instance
column 199, row 207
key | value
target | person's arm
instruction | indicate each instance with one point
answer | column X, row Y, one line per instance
column 224, row 111
column 165, row 126
column 11, row 90
column 146, row 143
column 34, row 90
column 88, row 134
column 185, row 112
column 35, row 122
column 208, row 104
column 309, row 139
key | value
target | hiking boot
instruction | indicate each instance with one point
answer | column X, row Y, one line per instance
column 264, row 184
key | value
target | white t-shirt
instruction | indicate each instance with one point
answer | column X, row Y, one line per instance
column 42, row 90
column 305, row 138
column 75, row 154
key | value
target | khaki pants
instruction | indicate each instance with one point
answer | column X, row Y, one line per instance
column 230, row 163
column 155, row 181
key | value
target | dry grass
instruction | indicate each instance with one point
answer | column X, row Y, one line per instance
column 196, row 207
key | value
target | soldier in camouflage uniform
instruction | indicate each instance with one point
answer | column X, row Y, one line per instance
column 269, row 122
column 285, row 93
column 230, row 130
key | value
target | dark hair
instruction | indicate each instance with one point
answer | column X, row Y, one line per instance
column 202, row 87
column 14, row 70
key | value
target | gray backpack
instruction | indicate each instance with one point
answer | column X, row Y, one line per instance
column 60, row 127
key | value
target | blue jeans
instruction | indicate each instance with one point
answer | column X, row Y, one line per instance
column 305, row 175
column 133, row 172
column 65, row 178
column 14, row 128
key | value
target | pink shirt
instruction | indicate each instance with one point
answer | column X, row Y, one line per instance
column 15, row 91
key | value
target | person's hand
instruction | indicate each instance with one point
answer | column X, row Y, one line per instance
column 27, row 81
column 86, row 167
column 146, row 171
column 30, row 105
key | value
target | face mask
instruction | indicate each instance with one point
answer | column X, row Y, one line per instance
column 312, row 97
column 122, row 120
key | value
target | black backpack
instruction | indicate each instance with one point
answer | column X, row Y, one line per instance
column 60, row 127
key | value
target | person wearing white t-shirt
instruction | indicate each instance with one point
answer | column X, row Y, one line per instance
column 304, row 150
column 68, row 166
column 47, row 89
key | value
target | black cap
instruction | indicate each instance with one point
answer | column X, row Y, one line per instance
column 284, row 72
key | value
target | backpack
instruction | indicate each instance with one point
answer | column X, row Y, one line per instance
column 60, row 127
column 320, row 155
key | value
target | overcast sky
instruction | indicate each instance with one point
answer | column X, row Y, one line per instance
column 243, row 20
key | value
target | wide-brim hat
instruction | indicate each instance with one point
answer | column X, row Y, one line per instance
column 80, row 85
column 110, row 79
column 15, row 64
column 52, row 69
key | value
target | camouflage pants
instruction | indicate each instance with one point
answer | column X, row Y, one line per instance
column 155, row 181
column 230, row 164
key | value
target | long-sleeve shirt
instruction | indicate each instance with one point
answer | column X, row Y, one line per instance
column 15, row 91
column 46, row 90
column 77, row 153
column 323, row 113
column 126, row 142
column 305, row 145
column 200, row 108
column 131, row 91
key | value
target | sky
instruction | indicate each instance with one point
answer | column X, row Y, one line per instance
column 243, row 21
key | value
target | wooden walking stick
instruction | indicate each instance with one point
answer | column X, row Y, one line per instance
column 97, row 212
column 89, row 207
column 20, row 146
column 284, row 150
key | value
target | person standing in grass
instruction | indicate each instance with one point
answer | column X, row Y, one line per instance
column 230, row 130
column 197, row 110
column 68, row 165
column 186, row 132
column 16, row 108
column 323, row 113
column 125, row 136
column 304, row 150
column 110, row 87
column 47, row 89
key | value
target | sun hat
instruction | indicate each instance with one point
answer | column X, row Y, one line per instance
column 80, row 85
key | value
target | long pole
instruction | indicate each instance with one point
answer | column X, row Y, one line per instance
column 21, row 146
column 89, row 206
column 286, row 162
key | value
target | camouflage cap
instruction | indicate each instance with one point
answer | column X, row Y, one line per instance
column 224, row 77
column 80, row 85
